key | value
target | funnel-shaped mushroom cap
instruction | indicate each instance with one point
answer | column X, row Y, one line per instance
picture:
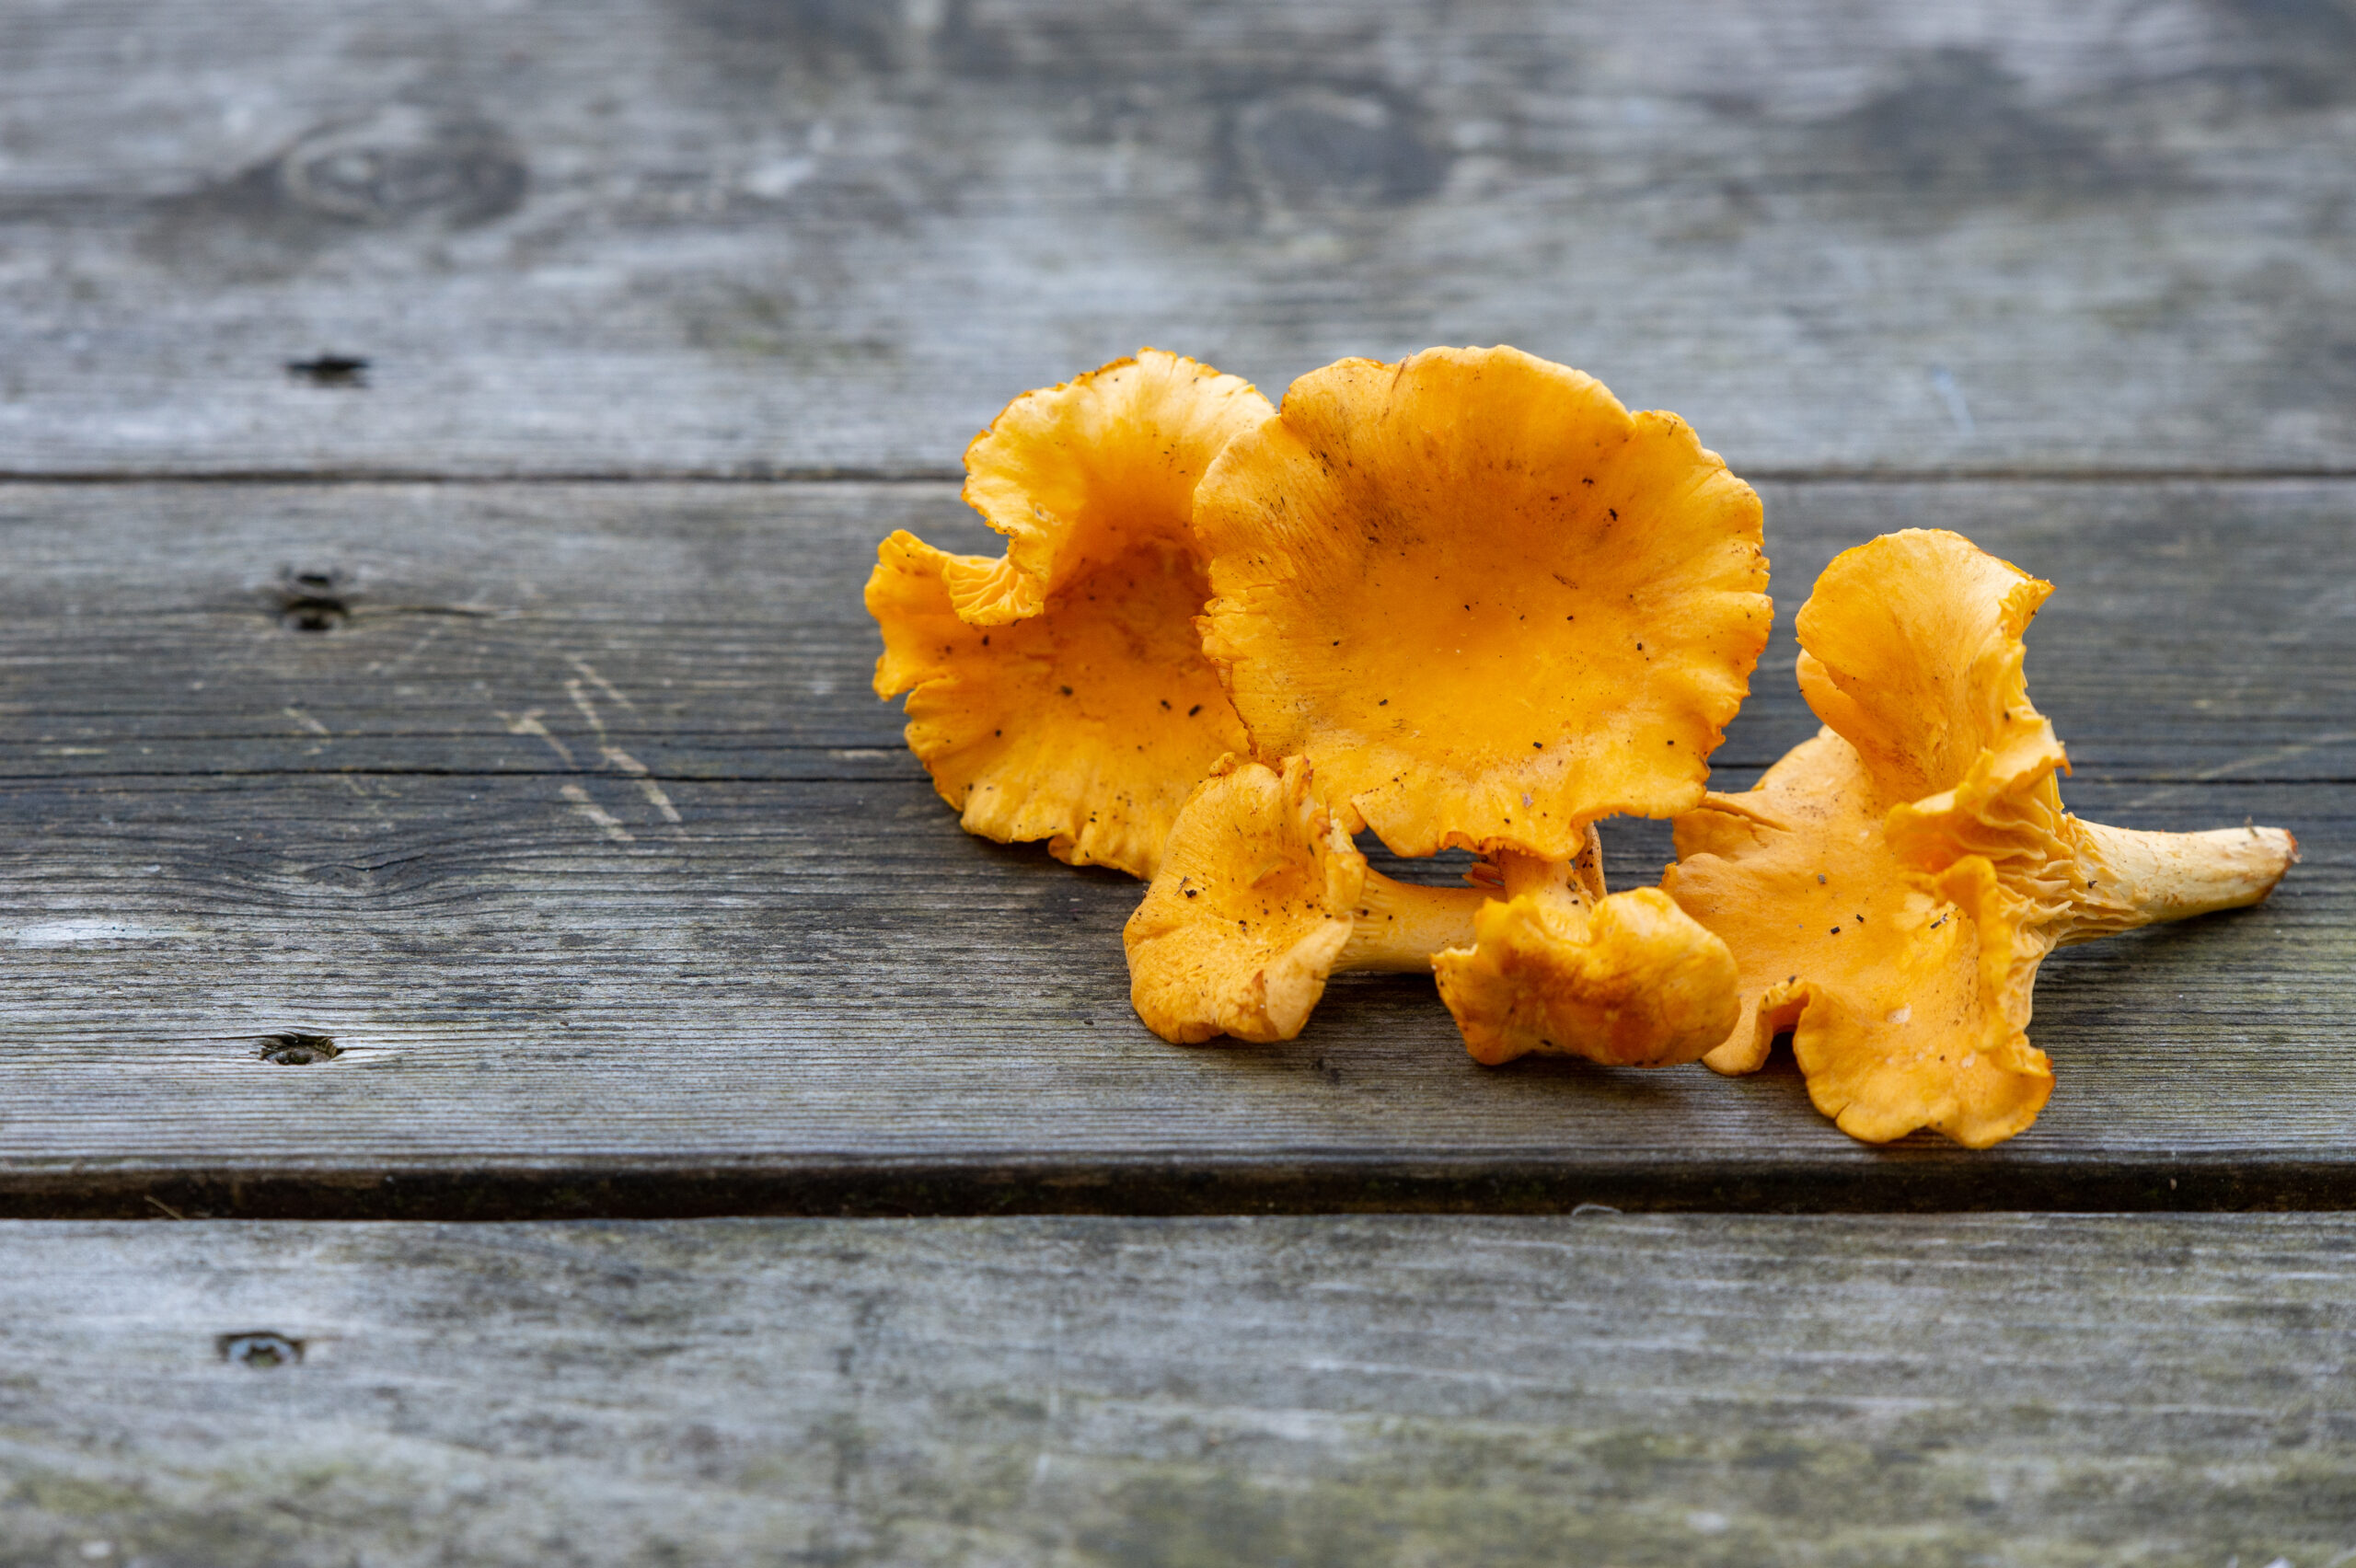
column 1060, row 692
column 1085, row 725
column 1630, row 982
column 1079, row 476
column 1889, row 888
column 1486, row 601
column 1249, row 911
column 1913, row 652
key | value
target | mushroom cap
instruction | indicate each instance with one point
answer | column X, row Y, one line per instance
column 1085, row 725
column 1060, row 691
column 1631, row 982
column 1248, row 911
column 1079, row 475
column 1914, row 653
column 1912, row 650
column 1488, row 604
column 1906, row 996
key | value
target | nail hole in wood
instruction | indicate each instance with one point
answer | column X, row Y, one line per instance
column 262, row 1350
column 294, row 1048
column 330, row 370
column 313, row 600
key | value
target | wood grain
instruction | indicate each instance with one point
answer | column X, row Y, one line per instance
column 1702, row 1390
column 713, row 237
column 567, row 868
column 442, row 834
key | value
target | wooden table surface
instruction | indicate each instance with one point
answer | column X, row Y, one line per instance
column 574, row 825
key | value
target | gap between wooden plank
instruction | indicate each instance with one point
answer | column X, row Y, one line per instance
column 754, row 474
column 1908, row 1180
column 1727, row 776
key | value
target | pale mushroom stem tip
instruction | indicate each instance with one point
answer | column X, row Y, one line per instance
column 2140, row 879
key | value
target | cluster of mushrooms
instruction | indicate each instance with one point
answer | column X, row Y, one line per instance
column 1469, row 601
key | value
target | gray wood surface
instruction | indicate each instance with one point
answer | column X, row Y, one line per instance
column 672, row 236
column 1085, row 1394
column 580, row 835
column 568, row 868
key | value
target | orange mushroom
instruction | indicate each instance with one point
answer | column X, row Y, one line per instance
column 1060, row 691
column 1487, row 603
column 1560, row 968
column 1489, row 606
column 1260, row 898
column 1890, row 887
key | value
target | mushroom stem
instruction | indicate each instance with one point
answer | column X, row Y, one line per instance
column 1396, row 927
column 1577, row 882
column 2139, row 879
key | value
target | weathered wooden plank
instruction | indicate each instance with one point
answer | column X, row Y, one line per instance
column 699, row 236
column 821, row 998
column 1166, row 1394
column 812, row 992
column 715, row 632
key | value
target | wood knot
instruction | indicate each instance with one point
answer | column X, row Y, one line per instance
column 296, row 1048
column 1313, row 145
column 330, row 370
column 313, row 600
column 260, row 1350
column 404, row 163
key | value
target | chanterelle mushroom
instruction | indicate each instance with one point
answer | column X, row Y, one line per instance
column 1559, row 968
column 1889, row 888
column 1260, row 898
column 1060, row 691
column 1490, row 605
column 1487, row 603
